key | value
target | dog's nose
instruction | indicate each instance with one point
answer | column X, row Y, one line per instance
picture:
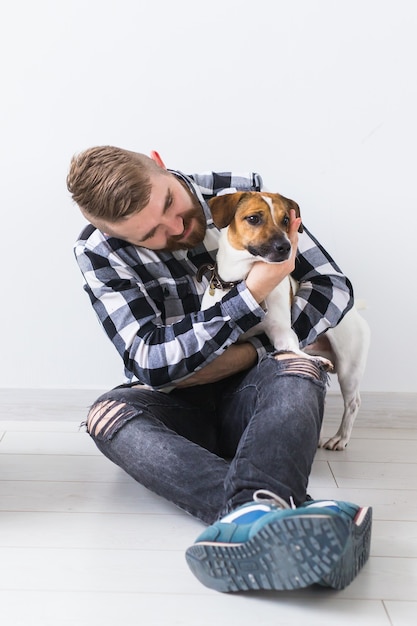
column 283, row 248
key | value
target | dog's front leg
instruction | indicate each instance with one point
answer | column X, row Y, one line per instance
column 277, row 324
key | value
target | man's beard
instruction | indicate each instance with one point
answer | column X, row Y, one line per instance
column 195, row 215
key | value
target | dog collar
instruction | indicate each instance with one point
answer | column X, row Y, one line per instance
column 215, row 281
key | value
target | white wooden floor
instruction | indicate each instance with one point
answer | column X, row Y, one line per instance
column 83, row 544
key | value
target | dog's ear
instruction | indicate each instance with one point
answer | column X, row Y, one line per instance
column 223, row 207
column 293, row 205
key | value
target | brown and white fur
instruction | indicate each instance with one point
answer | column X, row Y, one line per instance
column 254, row 227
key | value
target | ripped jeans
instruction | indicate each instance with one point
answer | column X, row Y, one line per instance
column 208, row 448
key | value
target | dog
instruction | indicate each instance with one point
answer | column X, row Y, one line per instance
column 254, row 227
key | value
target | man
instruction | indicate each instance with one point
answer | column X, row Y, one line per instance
column 225, row 430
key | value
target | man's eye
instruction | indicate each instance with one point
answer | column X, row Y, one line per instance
column 253, row 220
column 150, row 235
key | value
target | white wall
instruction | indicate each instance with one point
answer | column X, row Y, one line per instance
column 318, row 96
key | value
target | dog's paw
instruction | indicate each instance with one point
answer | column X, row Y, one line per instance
column 326, row 364
column 334, row 443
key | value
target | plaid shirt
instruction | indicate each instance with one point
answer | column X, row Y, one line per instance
column 148, row 302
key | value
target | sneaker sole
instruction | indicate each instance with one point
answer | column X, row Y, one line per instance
column 355, row 554
column 289, row 553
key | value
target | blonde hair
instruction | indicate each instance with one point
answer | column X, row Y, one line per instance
column 110, row 183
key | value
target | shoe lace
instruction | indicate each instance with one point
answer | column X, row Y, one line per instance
column 264, row 495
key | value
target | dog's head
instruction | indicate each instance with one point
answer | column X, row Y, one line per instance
column 258, row 222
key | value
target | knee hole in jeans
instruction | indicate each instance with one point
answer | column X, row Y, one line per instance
column 103, row 416
column 303, row 366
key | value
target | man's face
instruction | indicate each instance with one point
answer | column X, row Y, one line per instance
column 172, row 220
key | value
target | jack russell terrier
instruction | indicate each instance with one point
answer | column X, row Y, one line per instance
column 254, row 227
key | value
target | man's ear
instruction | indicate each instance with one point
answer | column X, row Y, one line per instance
column 155, row 157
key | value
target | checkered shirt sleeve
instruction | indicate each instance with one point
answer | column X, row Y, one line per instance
column 324, row 294
column 148, row 302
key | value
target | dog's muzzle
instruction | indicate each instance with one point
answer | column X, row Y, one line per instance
column 274, row 251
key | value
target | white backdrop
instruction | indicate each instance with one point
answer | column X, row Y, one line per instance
column 318, row 96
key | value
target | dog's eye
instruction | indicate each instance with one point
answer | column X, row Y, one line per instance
column 286, row 221
column 253, row 220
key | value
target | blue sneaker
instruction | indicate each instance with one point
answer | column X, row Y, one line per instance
column 266, row 544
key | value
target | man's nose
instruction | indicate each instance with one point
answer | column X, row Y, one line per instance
column 174, row 225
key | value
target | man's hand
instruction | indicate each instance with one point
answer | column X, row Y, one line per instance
column 237, row 358
column 264, row 277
